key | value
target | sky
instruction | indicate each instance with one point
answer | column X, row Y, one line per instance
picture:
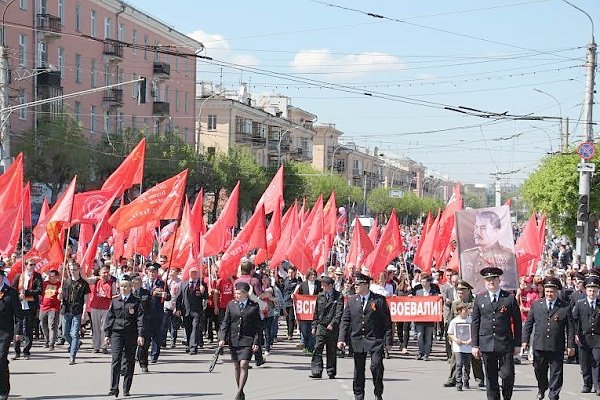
column 387, row 79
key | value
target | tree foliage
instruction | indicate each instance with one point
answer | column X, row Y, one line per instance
column 409, row 207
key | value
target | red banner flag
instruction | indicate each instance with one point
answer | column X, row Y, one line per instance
column 273, row 235
column 389, row 247
column 11, row 185
column 304, row 306
column 90, row 207
column 424, row 254
column 163, row 201
column 416, row 308
column 374, row 232
column 446, row 223
column 527, row 247
column 129, row 173
column 198, row 214
column 27, row 206
column 330, row 216
column 58, row 217
column 217, row 237
column 290, row 225
column 272, row 198
column 360, row 245
column 178, row 247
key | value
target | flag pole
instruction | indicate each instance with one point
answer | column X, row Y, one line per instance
column 64, row 264
column 23, row 233
column 170, row 260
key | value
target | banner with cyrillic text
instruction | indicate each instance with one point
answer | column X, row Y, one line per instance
column 304, row 306
column 416, row 309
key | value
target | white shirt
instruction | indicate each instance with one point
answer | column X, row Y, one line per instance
column 550, row 304
column 492, row 294
column 311, row 287
column 124, row 298
column 591, row 302
column 364, row 300
column 25, row 303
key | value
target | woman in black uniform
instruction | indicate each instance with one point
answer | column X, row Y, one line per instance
column 124, row 324
column 240, row 328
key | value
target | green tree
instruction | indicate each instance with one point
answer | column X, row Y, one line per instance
column 54, row 153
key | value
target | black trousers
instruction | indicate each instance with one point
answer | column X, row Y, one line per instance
column 122, row 343
column 325, row 340
column 403, row 330
column 544, row 361
column 589, row 361
column 476, row 367
column 193, row 332
column 210, row 323
column 29, row 318
column 358, row 383
column 290, row 320
column 5, row 340
column 499, row 364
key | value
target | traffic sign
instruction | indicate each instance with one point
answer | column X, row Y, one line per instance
column 396, row 194
column 586, row 167
column 586, row 150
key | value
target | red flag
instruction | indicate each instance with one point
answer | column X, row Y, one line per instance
column 140, row 239
column 27, row 206
column 273, row 234
column 272, row 198
column 192, row 261
column 527, row 247
column 342, row 223
column 129, row 173
column 446, row 223
column 424, row 255
column 290, row 224
column 217, row 237
column 374, row 232
column 86, row 233
column 167, row 231
column 163, row 201
column 297, row 252
column 178, row 247
column 87, row 262
column 11, row 185
column 58, row 216
column 90, row 207
column 360, row 245
column 389, row 247
column 330, row 216
column 508, row 202
column 198, row 214
column 252, row 236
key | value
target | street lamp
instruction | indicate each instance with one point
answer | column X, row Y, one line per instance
column 564, row 133
column 333, row 156
column 281, row 135
column 200, row 119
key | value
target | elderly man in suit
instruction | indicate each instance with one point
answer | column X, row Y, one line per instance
column 367, row 319
column 425, row 329
column 495, row 315
column 240, row 327
column 449, row 293
column 325, row 328
column 190, row 303
column 554, row 326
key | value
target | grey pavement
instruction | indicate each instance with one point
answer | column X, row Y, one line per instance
column 178, row 375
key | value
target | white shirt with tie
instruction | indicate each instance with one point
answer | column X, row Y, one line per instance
column 494, row 296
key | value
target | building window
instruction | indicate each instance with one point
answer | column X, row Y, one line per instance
column 304, row 143
column 157, row 54
column 61, row 62
column 42, row 54
column 106, row 119
column 93, row 119
column 107, row 28
column 22, row 50
column 77, row 68
column 23, row 4
column 93, row 23
column 120, row 123
column 120, row 76
column 167, row 93
column 93, row 73
column 22, row 100
column 61, row 11
column 185, row 102
column 145, row 47
column 211, row 123
column 78, row 111
column 134, row 41
column 133, row 124
column 121, row 34
column 135, row 88
column 107, row 79
column 176, row 100
column 78, row 17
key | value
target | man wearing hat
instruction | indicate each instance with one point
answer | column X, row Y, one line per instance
column 495, row 315
column 586, row 314
column 553, row 322
column 325, row 328
column 367, row 319
column 240, row 328
column 11, row 315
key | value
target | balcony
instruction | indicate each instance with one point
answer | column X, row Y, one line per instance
column 356, row 172
column 113, row 50
column 160, row 108
column 113, row 98
column 241, row 137
column 49, row 111
column 258, row 140
column 48, row 25
column 48, row 78
column 301, row 154
column 161, row 70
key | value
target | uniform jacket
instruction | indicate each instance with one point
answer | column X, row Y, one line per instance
column 191, row 302
column 493, row 324
column 370, row 329
column 587, row 322
column 240, row 328
column 155, row 306
column 551, row 328
column 328, row 311
column 151, row 321
column 11, row 314
column 125, row 317
column 34, row 292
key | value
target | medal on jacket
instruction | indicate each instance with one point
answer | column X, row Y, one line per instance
column 1, row 295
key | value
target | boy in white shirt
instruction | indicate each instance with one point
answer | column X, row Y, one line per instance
column 459, row 333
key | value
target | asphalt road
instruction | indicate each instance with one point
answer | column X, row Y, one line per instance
column 177, row 375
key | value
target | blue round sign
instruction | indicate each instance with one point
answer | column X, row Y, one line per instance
column 586, row 150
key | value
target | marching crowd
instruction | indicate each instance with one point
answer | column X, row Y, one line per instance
column 135, row 309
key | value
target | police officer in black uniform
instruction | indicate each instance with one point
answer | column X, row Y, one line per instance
column 553, row 321
column 325, row 328
column 11, row 315
column 367, row 319
column 586, row 314
column 495, row 313
column 123, row 329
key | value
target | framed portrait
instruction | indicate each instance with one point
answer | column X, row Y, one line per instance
column 463, row 332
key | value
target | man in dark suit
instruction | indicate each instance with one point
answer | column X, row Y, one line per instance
column 190, row 303
column 553, row 323
column 144, row 296
column 239, row 328
column 29, row 285
column 325, row 328
column 495, row 313
column 310, row 286
column 586, row 314
column 367, row 318
column 425, row 329
column 11, row 315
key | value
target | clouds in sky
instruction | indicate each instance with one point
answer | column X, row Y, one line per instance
column 323, row 61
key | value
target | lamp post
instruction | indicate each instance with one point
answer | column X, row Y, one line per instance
column 281, row 135
column 333, row 156
column 564, row 124
column 200, row 120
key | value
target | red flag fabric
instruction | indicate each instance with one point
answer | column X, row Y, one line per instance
column 272, row 198
column 198, row 214
column 508, row 202
column 298, row 253
column 360, row 245
column 192, row 261
column 252, row 236
column 140, row 240
column 27, row 206
column 129, row 173
column 290, row 224
column 273, row 234
column 342, row 224
column 90, row 207
column 446, row 223
column 11, row 185
column 178, row 247
column 330, row 216
column 87, row 262
column 167, row 231
column 424, row 255
column 163, row 201
column 374, row 232
column 217, row 237
column 389, row 247
column 86, row 233
column 527, row 247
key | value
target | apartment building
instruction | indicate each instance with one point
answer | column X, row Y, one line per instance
column 60, row 47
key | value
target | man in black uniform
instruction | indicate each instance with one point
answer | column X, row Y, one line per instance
column 144, row 296
column 325, row 328
column 11, row 315
column 124, row 323
column 367, row 318
column 553, row 323
column 586, row 314
column 240, row 328
column 495, row 313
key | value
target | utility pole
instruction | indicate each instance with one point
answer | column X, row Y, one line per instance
column 5, row 159
column 564, row 134
column 498, row 189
